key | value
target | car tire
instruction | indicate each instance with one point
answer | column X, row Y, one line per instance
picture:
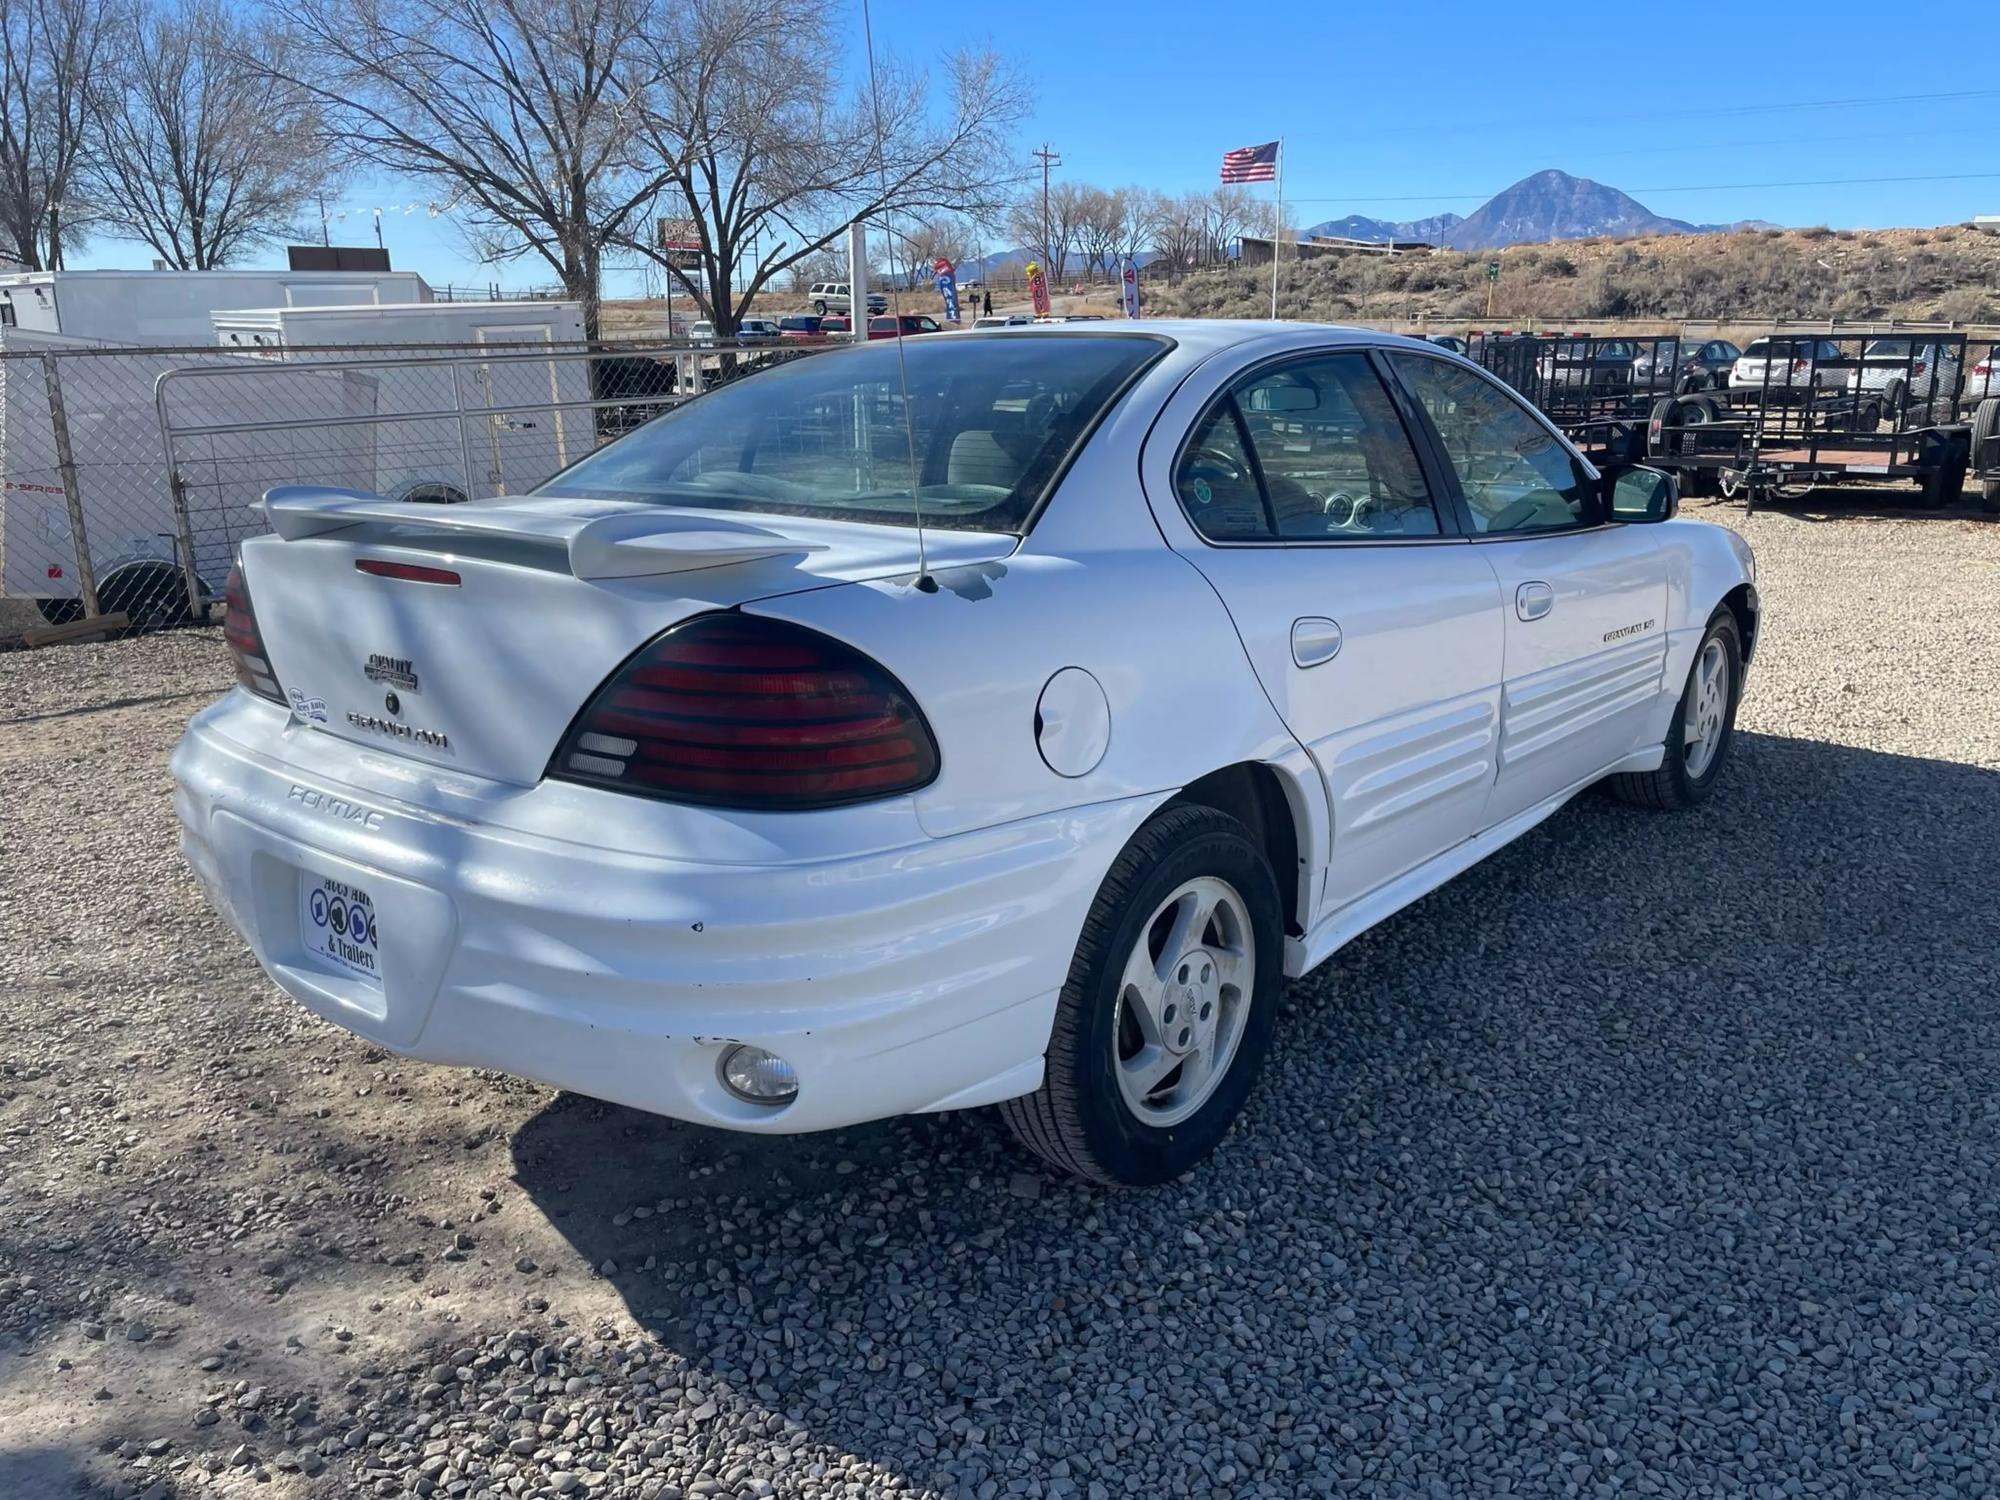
column 1108, row 1050
column 1894, row 399
column 820, row 307
column 1685, row 779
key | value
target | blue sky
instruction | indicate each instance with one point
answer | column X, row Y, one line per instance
column 1418, row 106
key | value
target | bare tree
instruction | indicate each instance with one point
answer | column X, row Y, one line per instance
column 531, row 117
column 1053, row 238
column 199, row 155
column 772, row 158
column 1100, row 229
column 918, row 245
column 49, row 55
column 1178, row 232
column 1143, row 209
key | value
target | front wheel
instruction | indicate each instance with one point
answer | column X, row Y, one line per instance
column 1164, row 1022
column 1703, row 727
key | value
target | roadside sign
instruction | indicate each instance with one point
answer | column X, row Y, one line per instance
column 1493, row 270
column 680, row 243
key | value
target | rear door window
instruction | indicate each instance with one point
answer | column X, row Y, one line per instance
column 1310, row 450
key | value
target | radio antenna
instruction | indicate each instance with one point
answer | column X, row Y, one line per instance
column 925, row 583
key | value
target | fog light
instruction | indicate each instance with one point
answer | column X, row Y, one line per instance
column 760, row 1077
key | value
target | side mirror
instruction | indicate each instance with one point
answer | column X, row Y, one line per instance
column 1637, row 494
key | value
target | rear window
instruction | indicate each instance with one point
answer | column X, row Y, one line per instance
column 1892, row 348
column 991, row 422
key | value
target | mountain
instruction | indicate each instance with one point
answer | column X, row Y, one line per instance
column 1379, row 231
column 1553, row 205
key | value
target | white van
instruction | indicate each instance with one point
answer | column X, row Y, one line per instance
column 838, row 296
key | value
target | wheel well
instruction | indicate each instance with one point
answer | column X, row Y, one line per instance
column 1254, row 795
column 1738, row 600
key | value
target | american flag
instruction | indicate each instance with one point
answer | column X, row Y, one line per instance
column 1251, row 163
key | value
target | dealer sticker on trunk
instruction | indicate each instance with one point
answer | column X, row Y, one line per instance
column 338, row 924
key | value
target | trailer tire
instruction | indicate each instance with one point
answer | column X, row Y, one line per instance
column 1943, row 486
column 1985, row 426
column 152, row 595
column 1697, row 411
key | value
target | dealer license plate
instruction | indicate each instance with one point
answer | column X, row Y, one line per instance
column 338, row 922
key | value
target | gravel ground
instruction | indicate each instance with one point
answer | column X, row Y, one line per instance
column 1655, row 1156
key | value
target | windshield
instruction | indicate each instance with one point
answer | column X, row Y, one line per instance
column 992, row 422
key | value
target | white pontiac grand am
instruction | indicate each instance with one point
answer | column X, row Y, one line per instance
column 703, row 780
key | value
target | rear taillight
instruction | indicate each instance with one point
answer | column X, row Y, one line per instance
column 1917, row 368
column 1982, row 369
column 246, row 641
column 733, row 710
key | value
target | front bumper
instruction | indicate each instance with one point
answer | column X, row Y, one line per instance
column 920, row 975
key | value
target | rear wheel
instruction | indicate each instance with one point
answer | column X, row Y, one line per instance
column 1164, row 1022
column 1895, row 396
column 1703, row 728
column 820, row 307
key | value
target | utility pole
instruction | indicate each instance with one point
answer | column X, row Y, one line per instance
column 1048, row 158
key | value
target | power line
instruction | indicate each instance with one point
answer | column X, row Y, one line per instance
column 1401, row 132
column 1704, row 187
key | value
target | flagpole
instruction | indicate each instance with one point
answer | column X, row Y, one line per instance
column 1278, row 228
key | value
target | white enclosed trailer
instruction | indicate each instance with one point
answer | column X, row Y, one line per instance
column 392, row 398
column 523, row 419
column 175, row 307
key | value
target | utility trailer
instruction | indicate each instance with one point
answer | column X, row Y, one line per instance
column 1600, row 390
column 1805, row 410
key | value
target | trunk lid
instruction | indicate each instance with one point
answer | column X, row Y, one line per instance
column 484, row 674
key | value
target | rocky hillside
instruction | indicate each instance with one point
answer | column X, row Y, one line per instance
column 1744, row 275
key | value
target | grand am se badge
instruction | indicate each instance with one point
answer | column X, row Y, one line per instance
column 437, row 739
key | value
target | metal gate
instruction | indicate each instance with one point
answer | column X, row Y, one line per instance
column 438, row 428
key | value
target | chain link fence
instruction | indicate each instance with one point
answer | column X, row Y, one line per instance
column 128, row 476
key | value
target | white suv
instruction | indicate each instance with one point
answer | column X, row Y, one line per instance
column 838, row 296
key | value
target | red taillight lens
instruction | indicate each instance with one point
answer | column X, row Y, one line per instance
column 407, row 572
column 246, row 641
column 736, row 711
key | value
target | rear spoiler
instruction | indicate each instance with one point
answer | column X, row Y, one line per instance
column 601, row 538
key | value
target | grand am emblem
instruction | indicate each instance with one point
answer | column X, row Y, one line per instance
column 437, row 739
column 393, row 671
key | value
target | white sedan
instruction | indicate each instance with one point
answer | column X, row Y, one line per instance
column 704, row 779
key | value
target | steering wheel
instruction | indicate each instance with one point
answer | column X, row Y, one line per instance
column 1513, row 515
column 1220, row 464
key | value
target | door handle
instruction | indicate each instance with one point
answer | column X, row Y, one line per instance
column 1533, row 600
column 1315, row 639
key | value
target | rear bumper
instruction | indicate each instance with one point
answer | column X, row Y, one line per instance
column 906, row 979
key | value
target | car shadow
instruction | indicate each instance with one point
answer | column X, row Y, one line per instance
column 1854, row 502
column 1563, row 1085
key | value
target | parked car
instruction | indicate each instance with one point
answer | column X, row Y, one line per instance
column 664, row 784
column 1982, row 379
column 898, row 324
column 757, row 330
column 1782, row 361
column 1906, row 369
column 1005, row 320
column 1593, row 364
column 801, row 326
column 836, row 324
column 837, row 296
column 1449, row 341
column 703, row 332
column 1695, row 364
